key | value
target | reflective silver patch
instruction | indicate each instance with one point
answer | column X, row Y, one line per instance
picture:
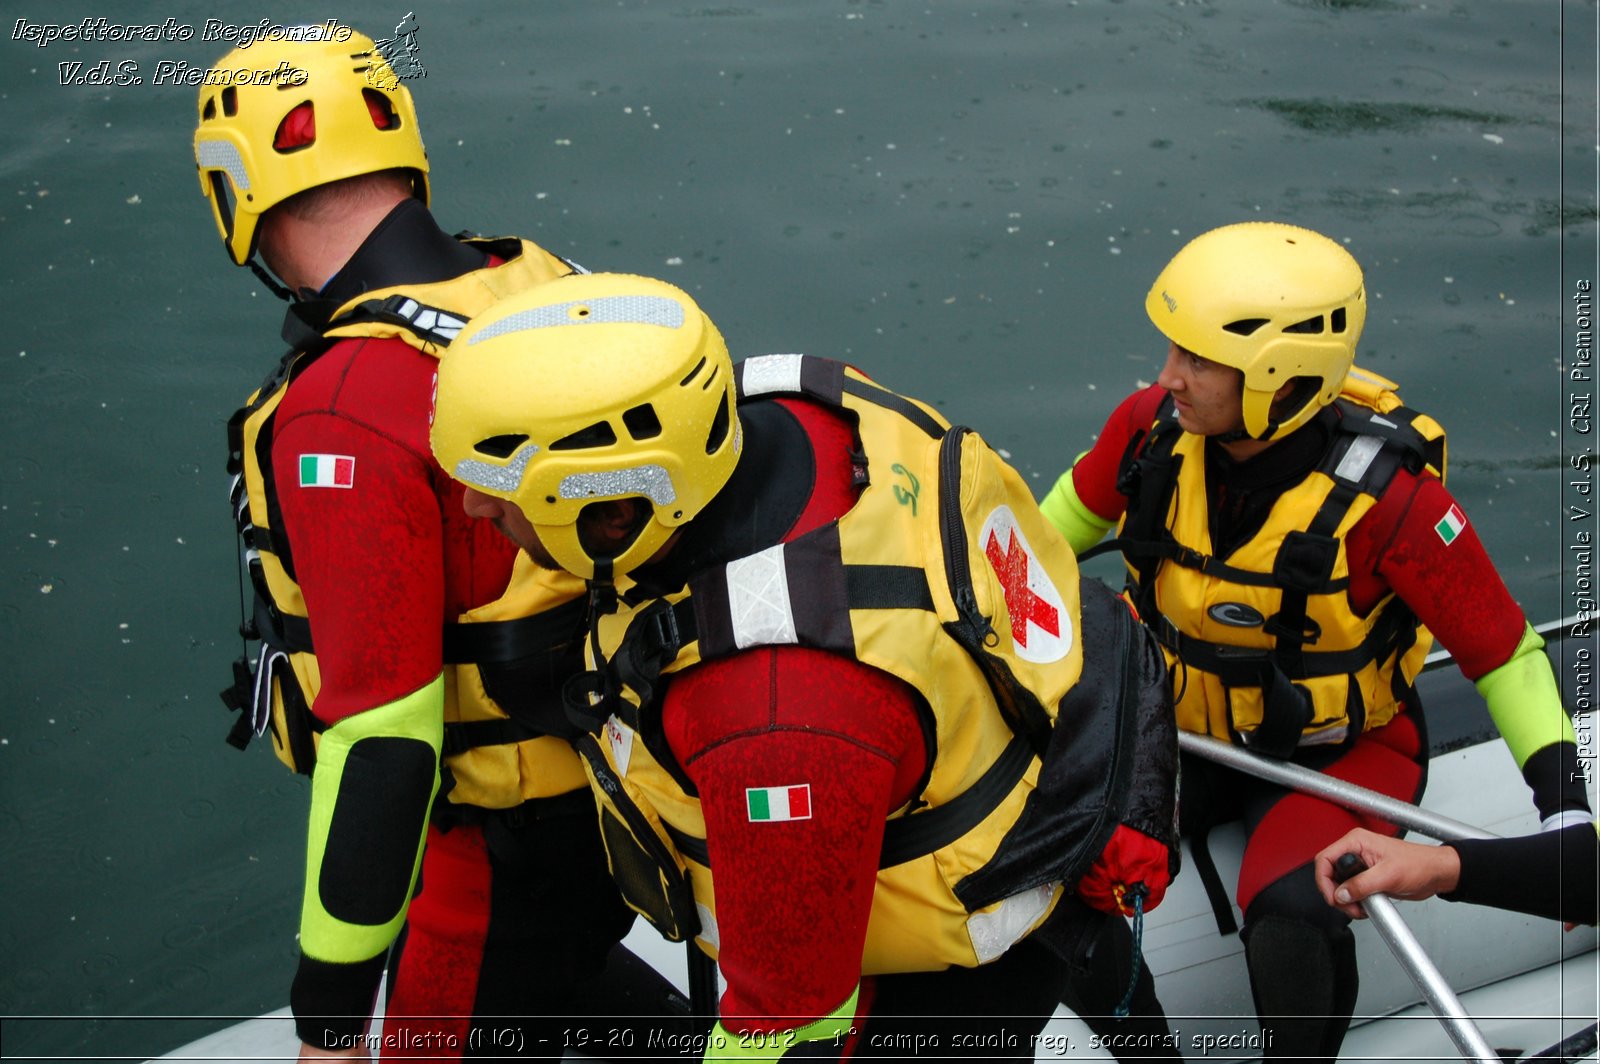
column 758, row 600
column 502, row 479
column 603, row 310
column 1353, row 466
column 993, row 931
column 651, row 481
column 1321, row 738
column 219, row 154
column 765, row 374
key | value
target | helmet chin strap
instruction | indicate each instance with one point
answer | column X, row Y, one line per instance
column 279, row 290
column 602, row 573
column 595, row 686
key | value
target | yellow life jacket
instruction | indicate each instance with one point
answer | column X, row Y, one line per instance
column 942, row 574
column 1263, row 643
column 490, row 760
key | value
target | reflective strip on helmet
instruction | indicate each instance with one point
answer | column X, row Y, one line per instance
column 651, row 481
column 765, row 374
column 758, row 600
column 602, row 310
column 504, row 479
column 219, row 154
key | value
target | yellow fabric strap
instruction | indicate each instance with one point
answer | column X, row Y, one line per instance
column 1525, row 701
column 1082, row 527
column 420, row 716
column 723, row 1044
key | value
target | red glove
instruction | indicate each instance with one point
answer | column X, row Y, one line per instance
column 1131, row 859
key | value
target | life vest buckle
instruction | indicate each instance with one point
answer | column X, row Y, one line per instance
column 583, row 697
column 666, row 636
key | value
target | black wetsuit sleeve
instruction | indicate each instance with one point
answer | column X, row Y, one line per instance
column 1552, row 874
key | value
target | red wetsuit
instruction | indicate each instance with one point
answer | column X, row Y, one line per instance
column 387, row 561
column 792, row 903
column 384, row 561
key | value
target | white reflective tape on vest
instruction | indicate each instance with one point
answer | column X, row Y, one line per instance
column 765, row 374
column 996, row 930
column 758, row 600
column 1353, row 466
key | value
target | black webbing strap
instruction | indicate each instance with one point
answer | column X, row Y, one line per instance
column 887, row 587
column 1241, row 666
column 909, row 837
column 488, row 642
column 463, row 735
column 897, row 403
column 1171, row 550
column 407, row 313
column 1199, row 817
column 1205, row 866
column 1303, row 567
column 825, row 380
column 475, row 643
column 284, row 631
column 823, row 589
column 703, row 996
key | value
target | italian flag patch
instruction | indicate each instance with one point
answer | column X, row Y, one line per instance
column 772, row 804
column 1450, row 525
column 327, row 471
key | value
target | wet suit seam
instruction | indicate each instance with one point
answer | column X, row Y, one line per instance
column 750, row 733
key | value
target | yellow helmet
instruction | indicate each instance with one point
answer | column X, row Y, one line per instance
column 282, row 116
column 590, row 387
column 1275, row 301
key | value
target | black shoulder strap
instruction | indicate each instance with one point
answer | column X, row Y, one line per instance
column 1148, row 477
column 1396, row 433
column 433, row 325
column 1366, row 452
column 824, row 380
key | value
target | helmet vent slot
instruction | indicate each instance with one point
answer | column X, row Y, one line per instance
column 382, row 111
column 1337, row 320
column 1310, row 325
column 719, row 429
column 698, row 366
column 500, row 446
column 711, row 379
column 210, row 111
column 1244, row 326
column 230, row 102
column 600, row 434
column 297, row 130
column 642, row 422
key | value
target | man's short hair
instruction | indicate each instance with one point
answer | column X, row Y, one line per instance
column 338, row 197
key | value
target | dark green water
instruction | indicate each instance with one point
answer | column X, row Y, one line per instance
column 968, row 200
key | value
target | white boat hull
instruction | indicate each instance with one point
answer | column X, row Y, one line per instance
column 1528, row 983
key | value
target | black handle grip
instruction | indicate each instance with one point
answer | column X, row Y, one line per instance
column 1347, row 866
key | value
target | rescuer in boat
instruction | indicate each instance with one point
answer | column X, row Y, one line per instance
column 853, row 721
column 1290, row 541
column 386, row 623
